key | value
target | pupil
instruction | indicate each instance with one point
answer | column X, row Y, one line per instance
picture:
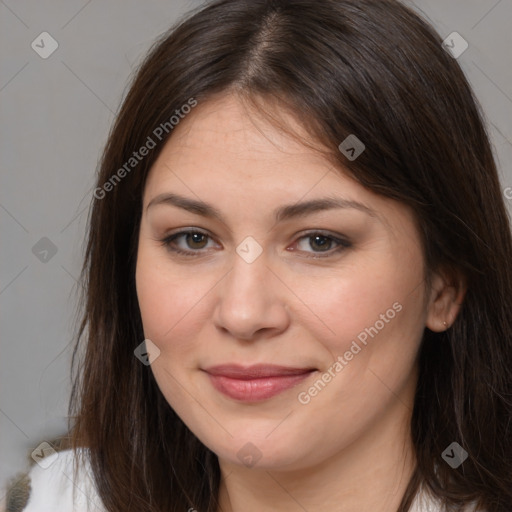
column 322, row 245
column 197, row 238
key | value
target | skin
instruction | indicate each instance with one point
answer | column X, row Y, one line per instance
column 348, row 449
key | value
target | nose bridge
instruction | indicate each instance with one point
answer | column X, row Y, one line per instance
column 250, row 265
column 249, row 300
column 248, row 283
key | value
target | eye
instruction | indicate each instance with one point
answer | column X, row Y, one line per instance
column 192, row 241
column 321, row 242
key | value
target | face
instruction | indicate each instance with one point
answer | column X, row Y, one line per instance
column 286, row 300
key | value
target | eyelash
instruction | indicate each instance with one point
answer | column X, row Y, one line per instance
column 168, row 240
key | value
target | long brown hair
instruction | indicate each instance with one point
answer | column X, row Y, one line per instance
column 372, row 68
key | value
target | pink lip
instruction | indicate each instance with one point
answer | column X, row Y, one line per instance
column 257, row 382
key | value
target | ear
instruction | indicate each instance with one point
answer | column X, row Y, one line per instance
column 446, row 296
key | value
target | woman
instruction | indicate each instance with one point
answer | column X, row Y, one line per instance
column 297, row 276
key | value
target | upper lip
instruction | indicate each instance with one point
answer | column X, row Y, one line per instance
column 257, row 371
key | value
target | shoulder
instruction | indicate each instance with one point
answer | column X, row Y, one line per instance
column 426, row 502
column 51, row 485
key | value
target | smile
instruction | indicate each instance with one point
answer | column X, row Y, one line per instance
column 255, row 383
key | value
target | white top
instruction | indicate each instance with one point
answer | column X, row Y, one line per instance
column 52, row 488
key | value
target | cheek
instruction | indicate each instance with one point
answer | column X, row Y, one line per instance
column 375, row 319
column 364, row 299
column 170, row 303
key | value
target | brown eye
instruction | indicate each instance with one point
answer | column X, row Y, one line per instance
column 188, row 243
column 320, row 242
column 196, row 240
column 317, row 243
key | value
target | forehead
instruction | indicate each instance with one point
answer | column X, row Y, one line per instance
column 223, row 141
column 228, row 131
column 225, row 154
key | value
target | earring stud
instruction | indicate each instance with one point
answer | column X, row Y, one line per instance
column 445, row 324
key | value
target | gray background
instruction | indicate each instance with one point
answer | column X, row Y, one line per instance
column 55, row 114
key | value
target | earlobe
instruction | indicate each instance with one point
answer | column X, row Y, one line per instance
column 446, row 297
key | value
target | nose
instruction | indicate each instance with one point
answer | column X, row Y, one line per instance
column 251, row 301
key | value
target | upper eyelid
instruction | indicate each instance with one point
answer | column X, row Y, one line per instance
column 309, row 232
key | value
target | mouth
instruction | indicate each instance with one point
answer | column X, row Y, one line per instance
column 255, row 383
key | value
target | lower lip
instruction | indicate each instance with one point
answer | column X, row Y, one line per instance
column 255, row 390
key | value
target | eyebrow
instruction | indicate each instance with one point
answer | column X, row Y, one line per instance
column 282, row 213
